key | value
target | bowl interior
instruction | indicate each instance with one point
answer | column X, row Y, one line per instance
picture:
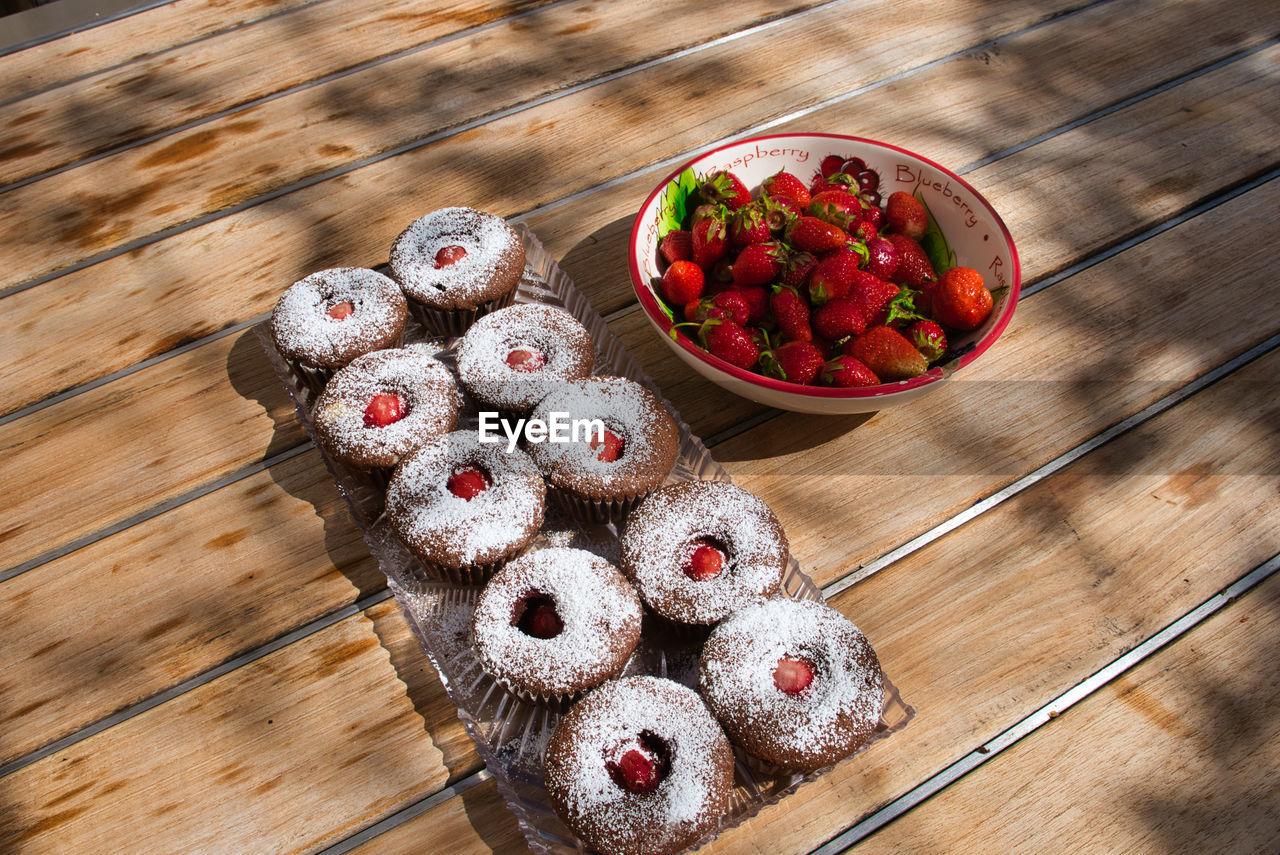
column 975, row 235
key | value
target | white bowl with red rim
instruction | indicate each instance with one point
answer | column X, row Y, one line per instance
column 976, row 235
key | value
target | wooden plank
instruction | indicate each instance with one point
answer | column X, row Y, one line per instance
column 194, row 283
column 200, row 585
column 129, row 39
column 1178, row 755
column 369, row 110
column 988, row 624
column 283, row 755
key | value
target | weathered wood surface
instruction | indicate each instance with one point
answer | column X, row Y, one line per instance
column 157, row 543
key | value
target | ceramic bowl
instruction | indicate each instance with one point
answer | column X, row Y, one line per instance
column 976, row 235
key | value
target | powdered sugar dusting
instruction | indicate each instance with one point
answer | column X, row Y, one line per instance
column 441, row 527
column 494, row 254
column 303, row 330
column 827, row 720
column 629, row 410
column 659, row 537
column 597, row 605
column 426, row 385
column 556, row 334
column 604, row 725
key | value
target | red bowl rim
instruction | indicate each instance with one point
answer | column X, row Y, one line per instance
column 650, row 303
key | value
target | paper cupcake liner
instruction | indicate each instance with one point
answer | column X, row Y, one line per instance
column 310, row 377
column 554, row 702
column 428, row 572
column 594, row 511
column 451, row 323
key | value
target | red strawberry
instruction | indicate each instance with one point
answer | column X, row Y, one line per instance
column 731, row 343
column 727, row 305
column 383, row 409
column 676, row 246
column 682, row 283
column 726, row 188
column 757, row 264
column 863, row 231
column 961, row 300
column 757, row 299
column 795, row 273
column 540, row 618
column 783, row 183
column 635, row 771
column 792, row 676
column 341, row 311
column 705, row 562
column 836, row 207
column 448, row 255
column 929, row 339
column 888, row 353
column 875, row 216
column 813, row 235
column 792, row 314
column 779, row 211
column 610, row 446
column 913, row 268
column 526, row 359
column 467, row 483
column 882, row 258
column 871, row 295
column 710, row 241
column 833, row 276
column 906, row 215
column 748, row 225
column 837, row 319
column 846, row 372
column 794, row 361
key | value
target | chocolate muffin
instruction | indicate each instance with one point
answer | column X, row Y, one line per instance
column 463, row 508
column 329, row 318
column 554, row 623
column 795, row 684
column 455, row 265
column 510, row 359
column 639, row 767
column 383, row 405
column 699, row 550
column 601, row 477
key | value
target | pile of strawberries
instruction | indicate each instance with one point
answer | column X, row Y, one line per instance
column 817, row 283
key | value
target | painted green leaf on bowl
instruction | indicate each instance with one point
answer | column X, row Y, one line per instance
column 675, row 202
column 935, row 243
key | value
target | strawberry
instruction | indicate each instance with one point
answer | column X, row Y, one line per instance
column 882, row 258
column 676, row 246
column 813, row 235
column 961, row 300
column 525, row 359
column 888, row 353
column 748, row 225
column 757, row 264
column 710, row 241
column 705, row 562
column 831, row 279
column 757, row 299
column 929, row 339
column 792, row 314
column 383, row 409
column 871, row 295
column 875, row 216
column 846, row 372
column 726, row 305
column 913, row 268
column 539, row 618
column 863, row 231
column 341, row 311
column 635, row 771
column 795, row 361
column 451, row 254
column 906, row 215
column 839, row 318
column 836, row 207
column 792, row 676
column 795, row 273
column 682, row 283
column 726, row 188
column 779, row 211
column 467, row 483
column 610, row 446
column 783, row 183
column 731, row 343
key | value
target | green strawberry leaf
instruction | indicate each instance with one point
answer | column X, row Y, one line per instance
column 935, row 243
column 675, row 202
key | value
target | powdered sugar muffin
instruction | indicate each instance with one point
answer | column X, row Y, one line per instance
column 510, row 359
column 639, row 767
column 463, row 508
column 698, row 550
column 599, row 480
column 383, row 405
column 795, row 684
column 554, row 623
column 327, row 319
column 456, row 264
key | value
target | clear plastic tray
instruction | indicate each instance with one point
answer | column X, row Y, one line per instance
column 510, row 735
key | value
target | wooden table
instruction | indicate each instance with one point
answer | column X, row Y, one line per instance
column 1066, row 558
